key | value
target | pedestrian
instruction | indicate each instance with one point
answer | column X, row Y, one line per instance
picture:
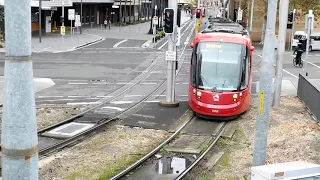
column 109, row 24
column 105, row 23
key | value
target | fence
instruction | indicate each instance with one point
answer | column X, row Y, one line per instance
column 310, row 95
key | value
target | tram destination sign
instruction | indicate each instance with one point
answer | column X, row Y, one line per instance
column 171, row 56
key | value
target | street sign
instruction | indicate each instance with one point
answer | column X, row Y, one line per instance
column 240, row 13
column 77, row 18
column 179, row 36
column 306, row 22
column 170, row 55
column 63, row 30
column 155, row 20
column 77, row 22
column 71, row 13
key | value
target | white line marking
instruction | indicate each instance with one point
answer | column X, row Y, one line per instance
column 115, row 108
column 124, row 83
column 102, row 83
column 76, row 83
column 121, row 102
column 146, row 44
column 152, row 101
column 82, row 103
column 183, row 95
column 50, row 96
column 282, row 69
column 104, row 96
column 290, row 73
column 163, row 45
column 148, row 83
column 257, row 87
column 116, row 45
column 78, row 96
column 185, row 83
column 133, row 95
column 53, row 100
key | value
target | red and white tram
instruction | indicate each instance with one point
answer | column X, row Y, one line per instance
column 221, row 72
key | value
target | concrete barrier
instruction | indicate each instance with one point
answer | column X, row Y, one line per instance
column 309, row 93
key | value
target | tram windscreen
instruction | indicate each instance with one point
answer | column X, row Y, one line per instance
column 219, row 66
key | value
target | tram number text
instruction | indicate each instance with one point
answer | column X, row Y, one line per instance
column 215, row 111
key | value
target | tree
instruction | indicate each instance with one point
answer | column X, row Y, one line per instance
column 302, row 7
column 1, row 13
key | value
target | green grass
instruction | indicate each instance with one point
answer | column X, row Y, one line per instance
column 120, row 166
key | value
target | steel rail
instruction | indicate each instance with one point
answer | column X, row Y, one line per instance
column 203, row 153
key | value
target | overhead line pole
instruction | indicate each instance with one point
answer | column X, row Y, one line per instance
column 265, row 93
column 19, row 126
column 40, row 17
column 309, row 28
column 283, row 20
column 251, row 17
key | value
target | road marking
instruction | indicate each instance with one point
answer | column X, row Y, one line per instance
column 134, row 52
column 50, row 96
column 115, row 108
column 121, row 102
column 146, row 44
column 124, row 83
column 104, row 96
column 102, row 83
column 116, row 45
column 152, row 101
column 148, row 83
column 53, row 100
column 76, row 83
column 163, row 45
column 83, row 103
column 133, row 95
column 282, row 69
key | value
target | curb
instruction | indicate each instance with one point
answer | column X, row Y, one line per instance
column 87, row 44
column 169, row 104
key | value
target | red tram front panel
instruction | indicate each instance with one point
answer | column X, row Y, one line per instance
column 226, row 100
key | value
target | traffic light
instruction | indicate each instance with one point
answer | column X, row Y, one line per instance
column 290, row 16
column 168, row 20
column 179, row 17
column 198, row 13
column 61, row 19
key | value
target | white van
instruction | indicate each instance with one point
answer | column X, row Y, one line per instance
column 315, row 40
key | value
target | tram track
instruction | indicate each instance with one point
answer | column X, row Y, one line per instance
column 139, row 167
column 43, row 152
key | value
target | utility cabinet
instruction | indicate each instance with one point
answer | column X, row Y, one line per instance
column 286, row 171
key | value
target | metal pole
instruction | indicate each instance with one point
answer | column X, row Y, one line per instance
column 19, row 126
column 284, row 5
column 172, row 38
column 63, row 12
column 267, row 72
column 251, row 17
column 81, row 17
column 308, row 42
column 293, row 28
column 40, row 17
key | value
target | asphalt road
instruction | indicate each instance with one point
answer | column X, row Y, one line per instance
column 91, row 73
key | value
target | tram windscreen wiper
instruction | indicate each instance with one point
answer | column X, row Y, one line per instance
column 214, row 89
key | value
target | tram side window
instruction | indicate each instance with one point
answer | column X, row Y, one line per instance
column 245, row 70
column 193, row 67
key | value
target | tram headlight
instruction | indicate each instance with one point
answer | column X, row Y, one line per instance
column 235, row 96
column 199, row 94
column 194, row 92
